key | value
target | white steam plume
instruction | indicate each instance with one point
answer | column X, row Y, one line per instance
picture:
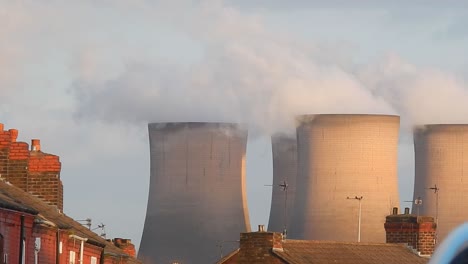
column 245, row 74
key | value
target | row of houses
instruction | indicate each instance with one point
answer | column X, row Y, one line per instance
column 410, row 239
column 33, row 226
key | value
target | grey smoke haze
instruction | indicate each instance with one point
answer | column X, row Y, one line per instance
column 250, row 74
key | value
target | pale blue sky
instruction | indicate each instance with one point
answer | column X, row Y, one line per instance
column 85, row 77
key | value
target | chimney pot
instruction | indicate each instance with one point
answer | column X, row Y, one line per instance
column 395, row 211
column 13, row 134
column 35, row 145
column 406, row 210
column 1, row 127
column 261, row 228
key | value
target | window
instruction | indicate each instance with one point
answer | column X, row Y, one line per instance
column 72, row 257
column 93, row 260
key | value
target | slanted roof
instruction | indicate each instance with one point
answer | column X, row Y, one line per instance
column 14, row 196
column 12, row 203
column 321, row 252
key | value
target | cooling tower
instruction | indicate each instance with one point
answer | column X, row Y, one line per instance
column 284, row 148
column 341, row 156
column 441, row 160
column 197, row 199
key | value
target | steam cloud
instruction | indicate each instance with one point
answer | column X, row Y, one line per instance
column 242, row 71
column 251, row 75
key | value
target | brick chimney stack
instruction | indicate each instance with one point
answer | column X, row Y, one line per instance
column 13, row 134
column 29, row 168
column 416, row 231
column 35, row 145
column 126, row 245
column 257, row 247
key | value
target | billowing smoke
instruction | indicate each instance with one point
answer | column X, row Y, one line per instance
column 420, row 95
column 246, row 73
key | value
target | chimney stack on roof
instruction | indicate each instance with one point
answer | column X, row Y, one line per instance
column 261, row 228
column 35, row 145
column 13, row 134
column 1, row 127
column 126, row 245
column 418, row 232
column 259, row 245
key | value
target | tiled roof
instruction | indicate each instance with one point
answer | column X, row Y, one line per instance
column 13, row 203
column 321, row 252
column 13, row 196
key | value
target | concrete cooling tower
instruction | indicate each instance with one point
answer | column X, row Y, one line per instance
column 342, row 158
column 441, row 175
column 284, row 150
column 197, row 199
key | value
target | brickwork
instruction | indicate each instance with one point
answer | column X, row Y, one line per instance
column 256, row 247
column 5, row 142
column 126, row 245
column 31, row 170
column 441, row 161
column 17, row 165
column 48, row 238
column 416, row 231
column 44, row 178
column 10, row 229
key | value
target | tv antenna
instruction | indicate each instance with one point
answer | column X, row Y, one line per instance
column 284, row 186
column 86, row 222
column 436, row 191
column 103, row 230
column 418, row 202
column 359, row 198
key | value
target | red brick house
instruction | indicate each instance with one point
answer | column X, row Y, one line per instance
column 49, row 235
column 269, row 248
column 33, row 226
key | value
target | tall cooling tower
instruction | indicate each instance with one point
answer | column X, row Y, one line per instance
column 284, row 148
column 341, row 156
column 197, row 199
column 441, row 157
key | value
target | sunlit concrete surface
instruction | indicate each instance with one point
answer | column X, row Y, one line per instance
column 342, row 156
column 197, row 200
column 284, row 150
column 441, row 161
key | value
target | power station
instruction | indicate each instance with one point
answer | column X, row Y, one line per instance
column 197, row 199
column 284, row 152
column 347, row 177
column 441, row 175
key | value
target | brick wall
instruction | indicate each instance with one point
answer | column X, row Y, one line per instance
column 416, row 231
column 256, row 247
column 44, row 178
column 33, row 171
column 10, row 229
column 48, row 237
column 126, row 245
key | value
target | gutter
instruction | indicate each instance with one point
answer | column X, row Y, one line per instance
column 82, row 239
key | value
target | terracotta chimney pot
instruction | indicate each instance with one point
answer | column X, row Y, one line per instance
column 35, row 145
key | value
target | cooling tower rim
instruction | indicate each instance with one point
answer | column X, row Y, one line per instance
column 209, row 125
column 283, row 136
column 439, row 127
column 215, row 124
column 309, row 118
